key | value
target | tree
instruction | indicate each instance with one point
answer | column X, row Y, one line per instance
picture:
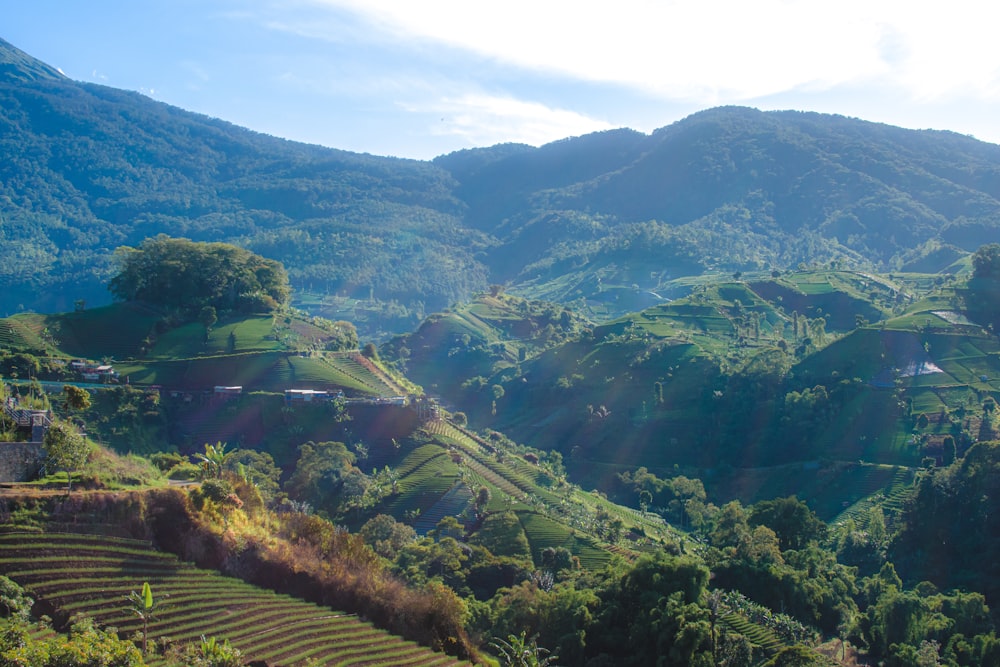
column 85, row 645
column 66, row 449
column 983, row 296
column 645, row 498
column 320, row 473
column 948, row 452
column 482, row 499
column 14, row 602
column 257, row 469
column 791, row 519
column 76, row 398
column 730, row 526
column 503, row 535
column 654, row 608
column 448, row 526
column 386, row 536
column 183, row 274
column 986, row 262
column 208, row 317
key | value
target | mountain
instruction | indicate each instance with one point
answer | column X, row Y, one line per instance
column 734, row 188
column 582, row 221
column 90, row 168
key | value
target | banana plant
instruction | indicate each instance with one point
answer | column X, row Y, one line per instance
column 215, row 654
column 144, row 606
column 213, row 459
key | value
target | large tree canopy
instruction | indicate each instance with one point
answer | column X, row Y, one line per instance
column 179, row 273
column 983, row 296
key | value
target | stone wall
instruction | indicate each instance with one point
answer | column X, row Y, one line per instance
column 20, row 461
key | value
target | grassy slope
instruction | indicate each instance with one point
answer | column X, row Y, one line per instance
column 254, row 351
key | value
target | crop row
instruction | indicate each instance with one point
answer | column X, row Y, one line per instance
column 352, row 368
column 514, row 484
column 417, row 458
column 192, row 602
column 757, row 635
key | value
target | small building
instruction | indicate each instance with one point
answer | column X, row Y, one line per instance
column 227, row 393
column 427, row 408
column 94, row 373
column 310, row 395
column 390, row 400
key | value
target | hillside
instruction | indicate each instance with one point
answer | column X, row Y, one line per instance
column 833, row 374
column 91, row 575
column 586, row 221
column 101, row 168
column 835, row 404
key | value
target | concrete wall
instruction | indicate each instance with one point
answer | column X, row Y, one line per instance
column 20, row 461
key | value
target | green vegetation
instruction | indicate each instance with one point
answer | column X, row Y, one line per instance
column 611, row 222
column 91, row 580
column 778, row 390
column 181, row 274
column 67, row 449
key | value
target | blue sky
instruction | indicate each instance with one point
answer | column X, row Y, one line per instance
column 420, row 78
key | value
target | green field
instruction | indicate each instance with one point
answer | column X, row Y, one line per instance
column 264, row 371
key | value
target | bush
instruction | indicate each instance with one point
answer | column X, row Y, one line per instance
column 14, row 602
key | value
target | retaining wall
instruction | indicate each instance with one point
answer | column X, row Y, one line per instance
column 20, row 461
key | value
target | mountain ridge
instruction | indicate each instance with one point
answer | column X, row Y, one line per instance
column 577, row 220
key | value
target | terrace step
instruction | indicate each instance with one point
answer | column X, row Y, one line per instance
column 197, row 602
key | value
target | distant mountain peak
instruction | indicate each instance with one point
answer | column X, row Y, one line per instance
column 16, row 65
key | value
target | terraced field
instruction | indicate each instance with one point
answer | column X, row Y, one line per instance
column 425, row 476
column 758, row 635
column 16, row 334
column 362, row 371
column 516, row 481
column 260, row 370
column 891, row 497
column 90, row 575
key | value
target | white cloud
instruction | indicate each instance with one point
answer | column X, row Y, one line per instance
column 483, row 120
column 714, row 51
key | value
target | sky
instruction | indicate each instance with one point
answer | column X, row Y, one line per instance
column 422, row 78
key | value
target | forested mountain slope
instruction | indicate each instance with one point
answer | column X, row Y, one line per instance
column 89, row 168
